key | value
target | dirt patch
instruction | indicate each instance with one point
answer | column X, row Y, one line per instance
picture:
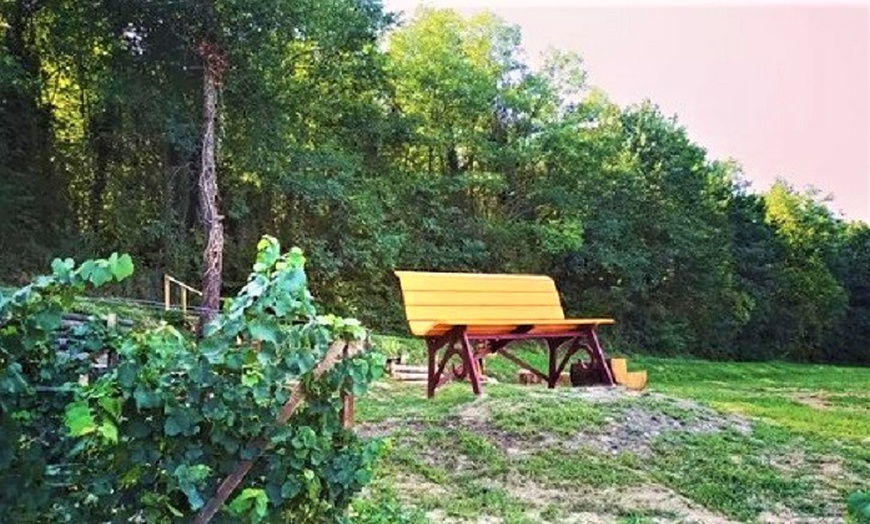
column 828, row 468
column 634, row 428
column 813, row 400
column 593, row 394
column 412, row 487
column 387, row 427
column 586, row 517
column 829, row 475
column 637, row 420
column 512, row 445
column 653, row 498
column 441, row 517
column 783, row 515
column 474, row 412
column 608, row 504
column 831, row 467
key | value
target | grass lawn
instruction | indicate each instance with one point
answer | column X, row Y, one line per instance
column 706, row 442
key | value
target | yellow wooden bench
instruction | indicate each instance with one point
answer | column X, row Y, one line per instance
column 471, row 315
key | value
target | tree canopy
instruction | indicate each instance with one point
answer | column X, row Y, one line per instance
column 428, row 144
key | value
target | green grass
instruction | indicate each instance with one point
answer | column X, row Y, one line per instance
column 556, row 467
column 799, row 444
column 562, row 417
column 771, row 392
column 730, row 473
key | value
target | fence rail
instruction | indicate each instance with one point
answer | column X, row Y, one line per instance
column 168, row 283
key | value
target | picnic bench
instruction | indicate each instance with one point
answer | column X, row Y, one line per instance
column 470, row 316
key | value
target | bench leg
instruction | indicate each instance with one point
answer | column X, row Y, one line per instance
column 556, row 366
column 598, row 357
column 471, row 365
column 436, row 372
column 432, row 379
column 553, row 351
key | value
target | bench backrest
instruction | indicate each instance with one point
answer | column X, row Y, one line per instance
column 431, row 297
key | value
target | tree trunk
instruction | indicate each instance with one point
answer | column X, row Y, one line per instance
column 208, row 189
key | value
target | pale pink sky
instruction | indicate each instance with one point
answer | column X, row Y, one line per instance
column 783, row 89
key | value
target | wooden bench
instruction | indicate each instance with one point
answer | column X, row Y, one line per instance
column 472, row 315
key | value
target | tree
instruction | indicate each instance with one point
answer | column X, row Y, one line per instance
column 214, row 68
column 810, row 300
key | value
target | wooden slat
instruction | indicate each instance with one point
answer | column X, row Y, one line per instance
column 431, row 281
column 408, row 368
column 411, row 377
column 500, row 327
column 433, row 328
column 469, row 314
column 480, row 298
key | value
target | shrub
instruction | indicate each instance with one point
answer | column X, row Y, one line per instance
column 152, row 437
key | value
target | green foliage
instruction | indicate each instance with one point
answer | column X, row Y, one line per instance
column 858, row 507
column 155, row 434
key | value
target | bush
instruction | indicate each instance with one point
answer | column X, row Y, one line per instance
column 152, row 437
column 858, row 507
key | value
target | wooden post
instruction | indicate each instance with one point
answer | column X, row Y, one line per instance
column 183, row 300
column 346, row 400
column 167, row 290
column 112, row 324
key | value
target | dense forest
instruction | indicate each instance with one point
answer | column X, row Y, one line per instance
column 376, row 143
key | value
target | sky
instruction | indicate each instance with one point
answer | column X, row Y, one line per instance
column 781, row 87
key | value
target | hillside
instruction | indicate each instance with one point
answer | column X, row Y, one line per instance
column 707, row 442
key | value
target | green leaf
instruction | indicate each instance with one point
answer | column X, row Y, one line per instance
column 171, row 427
column 61, row 268
column 121, row 267
column 127, row 373
column 86, row 269
column 146, row 399
column 189, row 478
column 178, row 422
column 264, row 329
column 250, row 499
column 101, row 273
column 109, row 431
column 79, row 419
column 250, row 378
column 112, row 406
column 268, row 252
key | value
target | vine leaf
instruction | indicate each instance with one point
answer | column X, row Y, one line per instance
column 121, row 267
column 79, row 419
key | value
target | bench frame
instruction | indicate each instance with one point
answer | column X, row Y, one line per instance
column 458, row 342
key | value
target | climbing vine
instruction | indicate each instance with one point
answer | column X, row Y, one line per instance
column 153, row 435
